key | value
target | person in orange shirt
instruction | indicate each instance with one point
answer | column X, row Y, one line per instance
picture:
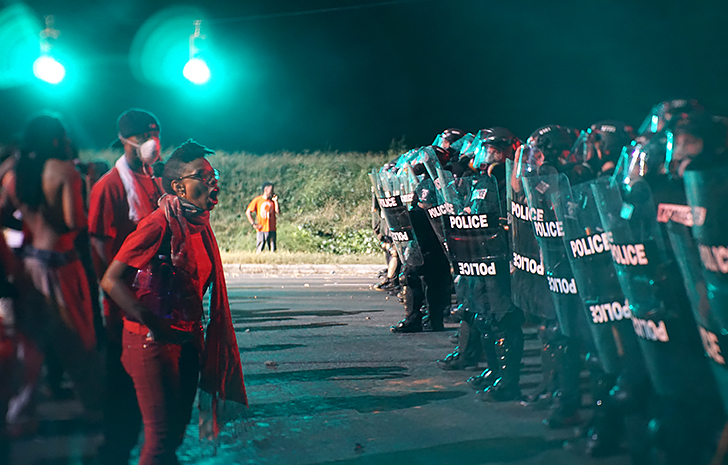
column 266, row 208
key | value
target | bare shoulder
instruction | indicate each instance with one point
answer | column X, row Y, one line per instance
column 60, row 171
column 8, row 181
column 8, row 187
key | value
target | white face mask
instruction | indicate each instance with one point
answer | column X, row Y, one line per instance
column 148, row 151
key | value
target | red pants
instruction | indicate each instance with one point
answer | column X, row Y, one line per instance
column 165, row 379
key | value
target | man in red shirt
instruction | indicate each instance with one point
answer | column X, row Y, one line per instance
column 118, row 201
column 265, row 208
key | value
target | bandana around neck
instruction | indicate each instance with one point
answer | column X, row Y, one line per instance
column 221, row 375
column 184, row 219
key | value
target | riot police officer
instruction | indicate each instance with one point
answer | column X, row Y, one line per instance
column 601, row 144
column 645, row 211
column 428, row 284
column 490, row 322
column 547, row 152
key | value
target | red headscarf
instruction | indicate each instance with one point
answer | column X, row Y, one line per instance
column 221, row 374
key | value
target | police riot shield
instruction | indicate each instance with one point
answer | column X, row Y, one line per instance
column 707, row 195
column 706, row 192
column 394, row 210
column 477, row 242
column 549, row 231
column 528, row 276
column 651, row 281
column 407, row 183
column 426, row 193
column 587, row 243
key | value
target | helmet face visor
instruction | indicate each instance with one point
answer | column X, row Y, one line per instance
column 680, row 149
column 448, row 138
column 440, row 141
column 533, row 156
column 585, row 148
column 639, row 160
column 462, row 144
column 634, row 161
column 485, row 153
column 652, row 124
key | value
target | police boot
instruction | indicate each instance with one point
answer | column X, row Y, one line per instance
column 467, row 354
column 567, row 398
column 509, row 349
column 487, row 343
column 412, row 322
column 604, row 436
column 386, row 285
column 438, row 301
column 540, row 397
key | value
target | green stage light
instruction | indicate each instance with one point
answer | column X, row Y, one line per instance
column 47, row 69
column 161, row 47
column 196, row 71
column 19, row 28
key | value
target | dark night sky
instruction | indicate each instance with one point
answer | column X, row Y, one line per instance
column 357, row 79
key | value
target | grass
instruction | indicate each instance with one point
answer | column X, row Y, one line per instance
column 325, row 200
column 296, row 258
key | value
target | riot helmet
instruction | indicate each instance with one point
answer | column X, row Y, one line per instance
column 452, row 140
column 663, row 112
column 448, row 137
column 641, row 159
column 493, row 145
column 695, row 137
column 389, row 165
column 548, row 149
column 427, row 154
column 442, row 155
column 646, row 156
column 462, row 145
column 601, row 145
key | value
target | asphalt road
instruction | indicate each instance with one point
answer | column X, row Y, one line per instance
column 328, row 383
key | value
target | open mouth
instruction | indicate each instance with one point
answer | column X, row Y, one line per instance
column 213, row 195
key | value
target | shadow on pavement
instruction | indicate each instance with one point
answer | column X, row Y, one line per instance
column 349, row 373
column 362, row 404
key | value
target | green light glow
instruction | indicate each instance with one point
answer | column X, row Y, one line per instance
column 196, row 71
column 47, row 69
column 20, row 39
column 160, row 48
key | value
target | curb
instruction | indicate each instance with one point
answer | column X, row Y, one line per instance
column 300, row 270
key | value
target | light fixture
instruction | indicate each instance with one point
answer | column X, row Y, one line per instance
column 47, row 68
column 196, row 70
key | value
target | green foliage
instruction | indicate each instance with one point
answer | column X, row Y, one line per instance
column 325, row 199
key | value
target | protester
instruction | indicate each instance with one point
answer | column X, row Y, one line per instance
column 118, row 201
column 175, row 257
column 46, row 188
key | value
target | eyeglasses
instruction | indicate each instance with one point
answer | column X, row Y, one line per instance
column 210, row 178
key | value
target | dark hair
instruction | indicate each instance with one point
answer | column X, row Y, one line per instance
column 175, row 165
column 266, row 184
column 44, row 138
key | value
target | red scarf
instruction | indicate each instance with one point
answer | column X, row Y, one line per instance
column 221, row 371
